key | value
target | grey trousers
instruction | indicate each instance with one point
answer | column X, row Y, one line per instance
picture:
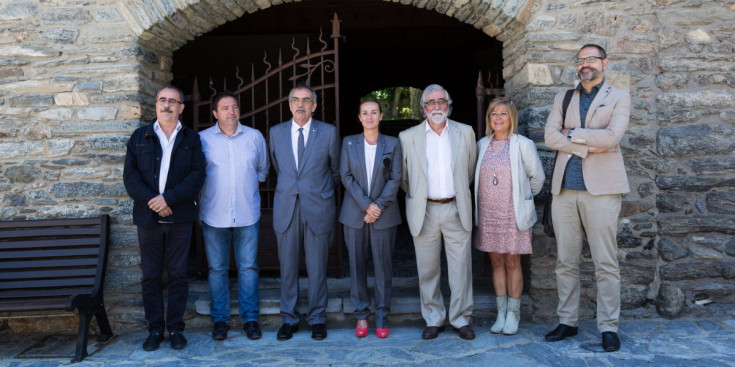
column 360, row 242
column 316, row 251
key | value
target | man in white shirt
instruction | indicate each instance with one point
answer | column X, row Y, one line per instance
column 237, row 159
column 439, row 157
column 164, row 171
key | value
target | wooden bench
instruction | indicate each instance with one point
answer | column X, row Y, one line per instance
column 56, row 264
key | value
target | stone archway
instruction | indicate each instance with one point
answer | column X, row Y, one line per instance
column 163, row 26
column 504, row 21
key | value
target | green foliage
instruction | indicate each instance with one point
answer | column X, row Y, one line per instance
column 397, row 103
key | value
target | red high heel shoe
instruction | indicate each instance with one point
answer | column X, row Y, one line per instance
column 361, row 332
column 382, row 333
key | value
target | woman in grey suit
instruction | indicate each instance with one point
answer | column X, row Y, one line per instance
column 370, row 167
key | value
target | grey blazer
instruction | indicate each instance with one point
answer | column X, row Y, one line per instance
column 414, row 179
column 386, row 178
column 314, row 185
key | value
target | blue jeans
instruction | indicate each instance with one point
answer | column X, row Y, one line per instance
column 217, row 245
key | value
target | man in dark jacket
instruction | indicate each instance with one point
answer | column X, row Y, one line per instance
column 164, row 171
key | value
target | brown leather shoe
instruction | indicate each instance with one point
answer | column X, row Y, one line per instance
column 431, row 332
column 466, row 332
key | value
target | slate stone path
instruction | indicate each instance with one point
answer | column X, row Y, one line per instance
column 650, row 342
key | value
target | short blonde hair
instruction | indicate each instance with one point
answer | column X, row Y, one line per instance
column 512, row 114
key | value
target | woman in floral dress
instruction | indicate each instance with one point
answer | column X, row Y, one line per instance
column 508, row 174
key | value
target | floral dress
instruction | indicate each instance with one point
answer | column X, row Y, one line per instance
column 498, row 231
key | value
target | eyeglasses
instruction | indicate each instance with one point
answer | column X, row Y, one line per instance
column 432, row 103
column 168, row 101
column 298, row 100
column 589, row 60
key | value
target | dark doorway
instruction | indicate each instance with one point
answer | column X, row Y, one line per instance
column 383, row 45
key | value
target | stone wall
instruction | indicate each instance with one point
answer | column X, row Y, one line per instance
column 77, row 76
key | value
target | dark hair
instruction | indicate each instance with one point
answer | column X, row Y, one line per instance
column 302, row 86
column 219, row 95
column 181, row 94
column 603, row 54
column 373, row 100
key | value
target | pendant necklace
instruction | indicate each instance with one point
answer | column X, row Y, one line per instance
column 495, row 148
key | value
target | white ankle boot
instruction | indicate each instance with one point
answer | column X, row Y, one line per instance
column 513, row 316
column 502, row 303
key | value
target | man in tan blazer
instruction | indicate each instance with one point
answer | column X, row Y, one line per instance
column 587, row 184
column 439, row 157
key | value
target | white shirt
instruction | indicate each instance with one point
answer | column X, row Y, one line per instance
column 230, row 195
column 167, row 146
column 440, row 183
column 295, row 138
column 369, row 162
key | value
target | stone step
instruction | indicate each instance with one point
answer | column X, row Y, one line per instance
column 405, row 297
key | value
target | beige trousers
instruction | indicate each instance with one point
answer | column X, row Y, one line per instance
column 576, row 213
column 442, row 221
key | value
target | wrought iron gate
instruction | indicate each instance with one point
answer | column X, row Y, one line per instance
column 484, row 96
column 264, row 103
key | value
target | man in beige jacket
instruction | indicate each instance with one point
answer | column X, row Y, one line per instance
column 439, row 158
column 587, row 184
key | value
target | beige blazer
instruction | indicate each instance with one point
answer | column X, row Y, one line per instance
column 414, row 179
column 607, row 120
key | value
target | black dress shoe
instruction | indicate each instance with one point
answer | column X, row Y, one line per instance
column 466, row 332
column 610, row 341
column 319, row 331
column 431, row 332
column 153, row 341
column 219, row 332
column 286, row 331
column 561, row 332
column 177, row 339
column 252, row 330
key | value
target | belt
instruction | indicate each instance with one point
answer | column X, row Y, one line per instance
column 441, row 201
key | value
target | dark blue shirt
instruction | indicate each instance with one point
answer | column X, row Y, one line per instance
column 573, row 178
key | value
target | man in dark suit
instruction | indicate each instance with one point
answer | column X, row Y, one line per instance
column 305, row 156
column 164, row 171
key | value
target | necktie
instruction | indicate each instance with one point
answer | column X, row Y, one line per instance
column 300, row 147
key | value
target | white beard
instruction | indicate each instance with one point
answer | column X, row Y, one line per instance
column 438, row 117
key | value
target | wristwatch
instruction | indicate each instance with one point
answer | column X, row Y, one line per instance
column 570, row 133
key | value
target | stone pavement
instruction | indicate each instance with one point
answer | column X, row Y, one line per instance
column 651, row 342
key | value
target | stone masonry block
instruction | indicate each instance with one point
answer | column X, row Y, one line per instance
column 107, row 15
column 97, row 113
column 532, row 75
column 65, row 16
column 18, row 9
column 61, row 35
column 695, row 140
column 71, row 99
column 699, row 99
column 87, row 189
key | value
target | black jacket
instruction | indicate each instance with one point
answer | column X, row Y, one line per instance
column 185, row 176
